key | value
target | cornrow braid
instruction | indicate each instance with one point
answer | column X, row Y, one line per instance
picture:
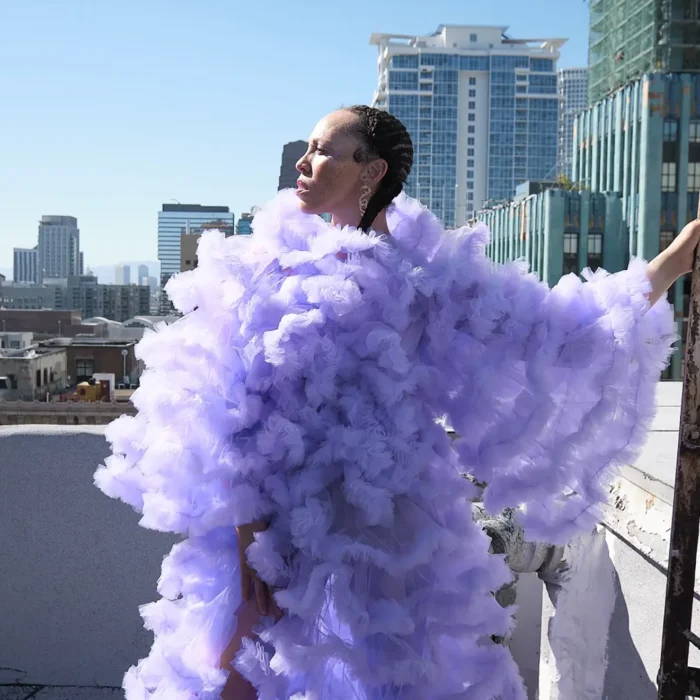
column 383, row 136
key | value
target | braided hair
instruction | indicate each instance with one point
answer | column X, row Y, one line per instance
column 382, row 136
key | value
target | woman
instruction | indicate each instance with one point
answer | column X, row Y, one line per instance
column 297, row 402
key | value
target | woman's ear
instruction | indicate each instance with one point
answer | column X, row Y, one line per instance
column 375, row 171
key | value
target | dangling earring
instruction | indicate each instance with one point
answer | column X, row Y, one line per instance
column 365, row 196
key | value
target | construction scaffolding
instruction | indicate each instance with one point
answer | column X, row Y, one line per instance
column 631, row 37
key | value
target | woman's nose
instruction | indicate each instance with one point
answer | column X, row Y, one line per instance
column 303, row 165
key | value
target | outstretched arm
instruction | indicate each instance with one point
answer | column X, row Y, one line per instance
column 675, row 261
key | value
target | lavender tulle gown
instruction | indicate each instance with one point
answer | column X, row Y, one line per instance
column 303, row 387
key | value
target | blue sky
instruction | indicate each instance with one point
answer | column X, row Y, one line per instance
column 111, row 108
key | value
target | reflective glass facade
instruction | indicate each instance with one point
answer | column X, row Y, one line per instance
column 176, row 219
column 483, row 114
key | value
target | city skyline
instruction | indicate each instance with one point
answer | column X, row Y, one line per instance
column 115, row 150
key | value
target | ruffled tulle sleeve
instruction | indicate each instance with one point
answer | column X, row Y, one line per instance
column 549, row 389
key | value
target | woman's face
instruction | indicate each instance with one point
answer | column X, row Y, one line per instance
column 330, row 179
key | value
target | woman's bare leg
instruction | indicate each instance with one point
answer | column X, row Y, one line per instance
column 237, row 687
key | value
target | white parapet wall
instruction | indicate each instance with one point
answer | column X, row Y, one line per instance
column 602, row 622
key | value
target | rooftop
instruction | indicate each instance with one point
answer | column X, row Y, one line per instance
column 101, row 566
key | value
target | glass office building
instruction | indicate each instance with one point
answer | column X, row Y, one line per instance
column 482, row 110
column 176, row 219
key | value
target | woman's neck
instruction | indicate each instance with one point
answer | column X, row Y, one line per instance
column 379, row 225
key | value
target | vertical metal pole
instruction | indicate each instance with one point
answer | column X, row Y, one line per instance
column 673, row 674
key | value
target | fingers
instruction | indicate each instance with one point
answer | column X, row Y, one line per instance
column 261, row 595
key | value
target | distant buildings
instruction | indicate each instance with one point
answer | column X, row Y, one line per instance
column 142, row 274
column 244, row 225
column 82, row 293
column 631, row 37
column 25, row 268
column 177, row 219
column 291, row 153
column 573, row 94
column 58, row 248
column 122, row 274
column 482, row 110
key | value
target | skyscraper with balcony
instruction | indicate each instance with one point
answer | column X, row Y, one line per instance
column 482, row 110
column 59, row 248
column 573, row 94
column 25, row 269
column 291, row 153
column 631, row 37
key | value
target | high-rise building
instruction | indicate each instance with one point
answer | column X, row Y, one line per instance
column 59, row 247
column 291, row 153
column 143, row 272
column 644, row 142
column 482, row 110
column 25, row 270
column 122, row 274
column 573, row 95
column 631, row 37
column 176, row 219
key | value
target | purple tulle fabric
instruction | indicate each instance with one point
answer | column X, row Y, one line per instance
column 303, row 387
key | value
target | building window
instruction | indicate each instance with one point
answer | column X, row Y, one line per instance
column 668, row 177
column 693, row 177
column 470, row 163
column 471, row 117
column 470, row 196
column 472, row 81
column 84, row 369
column 38, row 378
column 470, row 130
column 470, row 184
column 473, row 38
column 46, row 376
column 470, row 174
column 470, row 152
column 472, row 105
column 570, row 253
column 670, row 130
column 470, row 141
column 665, row 239
column 694, row 131
column 595, row 250
column 472, row 93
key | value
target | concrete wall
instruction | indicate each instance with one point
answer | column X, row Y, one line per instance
column 603, row 621
column 75, row 565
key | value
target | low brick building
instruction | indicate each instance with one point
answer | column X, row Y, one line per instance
column 87, row 356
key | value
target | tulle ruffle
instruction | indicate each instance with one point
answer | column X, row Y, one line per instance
column 303, row 386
